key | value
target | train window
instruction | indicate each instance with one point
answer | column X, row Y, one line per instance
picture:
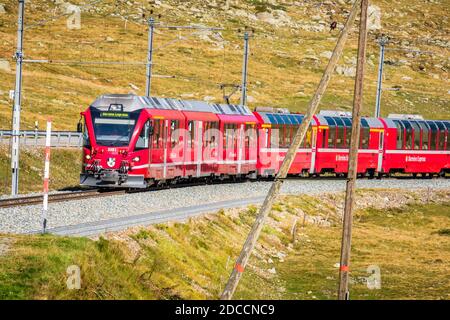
column 408, row 135
column 143, row 139
column 230, row 136
column 365, row 136
column 348, row 136
column 400, row 134
column 191, row 134
column 324, row 137
column 250, row 135
column 447, row 124
column 86, row 140
column 275, row 136
column 332, row 137
column 416, row 135
column 157, row 138
column 340, row 138
column 425, row 135
column 331, row 132
column 174, row 133
column 288, row 135
column 441, row 135
column 210, row 131
column 433, row 134
column 308, row 137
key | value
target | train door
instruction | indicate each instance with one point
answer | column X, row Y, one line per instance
column 211, row 138
column 158, row 150
column 198, row 148
column 190, row 151
column 250, row 145
column 313, row 132
column 380, row 150
column 241, row 146
column 175, row 149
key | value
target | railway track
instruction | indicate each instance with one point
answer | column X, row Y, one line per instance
column 96, row 193
column 57, row 197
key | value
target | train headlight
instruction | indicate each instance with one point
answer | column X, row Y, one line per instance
column 136, row 159
column 88, row 157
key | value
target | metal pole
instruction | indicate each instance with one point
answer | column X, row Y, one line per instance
column 382, row 42
column 343, row 293
column 17, row 103
column 249, row 244
column 151, row 29
column 48, row 137
column 244, row 69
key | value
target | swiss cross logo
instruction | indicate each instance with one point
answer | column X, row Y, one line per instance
column 111, row 162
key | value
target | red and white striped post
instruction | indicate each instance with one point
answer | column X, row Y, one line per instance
column 46, row 173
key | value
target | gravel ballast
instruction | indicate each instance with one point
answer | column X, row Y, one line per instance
column 28, row 218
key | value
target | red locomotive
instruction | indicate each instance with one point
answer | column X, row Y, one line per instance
column 135, row 142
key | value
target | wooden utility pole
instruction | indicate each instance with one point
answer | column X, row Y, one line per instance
column 353, row 157
column 249, row 244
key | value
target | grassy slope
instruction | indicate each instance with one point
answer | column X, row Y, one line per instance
column 192, row 260
column 279, row 67
column 65, row 167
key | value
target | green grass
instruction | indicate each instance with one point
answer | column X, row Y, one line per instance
column 193, row 260
column 65, row 166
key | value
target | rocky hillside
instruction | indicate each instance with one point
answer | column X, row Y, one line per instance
column 291, row 45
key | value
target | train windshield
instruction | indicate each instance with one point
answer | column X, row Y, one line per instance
column 113, row 132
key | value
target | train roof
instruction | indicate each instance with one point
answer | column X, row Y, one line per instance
column 440, row 124
column 283, row 118
column 131, row 102
column 366, row 122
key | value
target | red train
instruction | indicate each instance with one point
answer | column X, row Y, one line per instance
column 135, row 142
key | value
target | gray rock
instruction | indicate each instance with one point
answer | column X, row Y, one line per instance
column 2, row 9
column 5, row 66
column 347, row 71
column 374, row 18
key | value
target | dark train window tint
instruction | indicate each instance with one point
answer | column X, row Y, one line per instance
column 275, row 136
column 441, row 135
column 157, row 141
column 348, row 136
column 191, row 134
column 287, row 135
column 209, row 133
column 425, row 135
column 340, row 138
column 332, row 137
column 408, row 135
column 143, row 139
column 433, row 135
column 347, row 121
column 324, row 137
column 331, row 132
column 365, row 136
column 307, row 137
column 416, row 135
column 86, row 140
column 447, row 124
column 174, row 133
column 400, row 134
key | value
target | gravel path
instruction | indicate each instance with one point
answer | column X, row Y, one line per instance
column 26, row 219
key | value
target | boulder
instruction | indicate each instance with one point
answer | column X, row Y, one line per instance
column 2, row 9
column 5, row 66
column 374, row 18
column 346, row 71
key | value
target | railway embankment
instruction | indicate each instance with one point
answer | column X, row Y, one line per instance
column 404, row 235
